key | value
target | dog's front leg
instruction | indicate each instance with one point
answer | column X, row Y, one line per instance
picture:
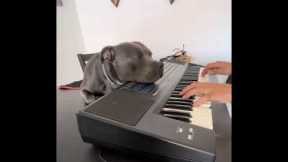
column 87, row 96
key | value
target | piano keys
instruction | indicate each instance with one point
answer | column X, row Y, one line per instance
column 180, row 109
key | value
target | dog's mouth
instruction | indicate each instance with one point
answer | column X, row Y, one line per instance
column 150, row 78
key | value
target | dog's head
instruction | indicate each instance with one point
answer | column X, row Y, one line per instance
column 133, row 61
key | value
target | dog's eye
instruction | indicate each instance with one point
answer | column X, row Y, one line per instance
column 139, row 56
column 133, row 67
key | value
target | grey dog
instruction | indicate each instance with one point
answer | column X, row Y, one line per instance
column 115, row 65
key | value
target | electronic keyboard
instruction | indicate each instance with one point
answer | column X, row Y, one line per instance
column 153, row 119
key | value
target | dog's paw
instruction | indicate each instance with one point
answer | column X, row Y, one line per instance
column 88, row 98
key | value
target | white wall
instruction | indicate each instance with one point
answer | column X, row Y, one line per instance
column 204, row 26
column 69, row 43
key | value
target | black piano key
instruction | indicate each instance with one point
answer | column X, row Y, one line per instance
column 179, row 89
column 176, row 92
column 176, row 113
column 166, row 109
column 182, row 84
column 188, row 101
column 188, row 75
column 191, row 73
column 179, row 102
column 192, row 69
column 179, row 118
column 190, row 78
column 177, row 106
column 176, row 95
column 185, row 80
column 194, row 79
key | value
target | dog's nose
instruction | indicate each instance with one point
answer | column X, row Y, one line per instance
column 161, row 69
column 161, row 65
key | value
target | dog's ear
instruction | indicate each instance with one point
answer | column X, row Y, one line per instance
column 148, row 51
column 108, row 54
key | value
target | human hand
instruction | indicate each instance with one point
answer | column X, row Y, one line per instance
column 206, row 92
column 218, row 67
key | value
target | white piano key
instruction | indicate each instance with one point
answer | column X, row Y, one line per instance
column 202, row 116
column 176, row 110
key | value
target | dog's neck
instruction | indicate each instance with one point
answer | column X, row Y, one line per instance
column 110, row 75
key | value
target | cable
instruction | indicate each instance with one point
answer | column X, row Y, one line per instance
column 101, row 156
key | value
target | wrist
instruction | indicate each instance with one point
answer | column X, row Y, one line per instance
column 228, row 92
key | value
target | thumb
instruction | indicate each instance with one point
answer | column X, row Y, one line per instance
column 204, row 72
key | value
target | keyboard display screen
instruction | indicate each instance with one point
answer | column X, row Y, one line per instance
column 118, row 108
column 141, row 87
